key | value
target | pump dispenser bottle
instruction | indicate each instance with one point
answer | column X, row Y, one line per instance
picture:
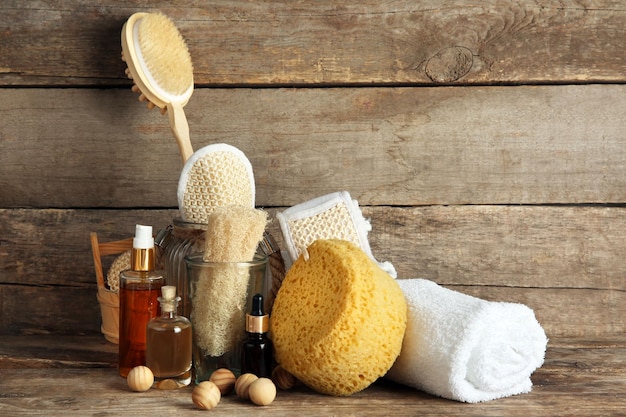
column 257, row 354
column 139, row 290
column 169, row 343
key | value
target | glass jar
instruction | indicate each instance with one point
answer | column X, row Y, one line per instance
column 176, row 242
column 220, row 294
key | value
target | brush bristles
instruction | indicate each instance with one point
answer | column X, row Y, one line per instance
column 165, row 53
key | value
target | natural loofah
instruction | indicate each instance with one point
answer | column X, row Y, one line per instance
column 338, row 320
column 232, row 236
column 121, row 263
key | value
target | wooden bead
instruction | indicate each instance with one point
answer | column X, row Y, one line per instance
column 206, row 395
column 283, row 379
column 262, row 391
column 224, row 379
column 140, row 378
column 243, row 384
column 167, row 384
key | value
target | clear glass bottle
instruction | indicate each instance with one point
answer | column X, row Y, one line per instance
column 139, row 290
column 257, row 352
column 169, row 343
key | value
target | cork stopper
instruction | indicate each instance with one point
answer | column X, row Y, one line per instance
column 168, row 292
column 168, row 299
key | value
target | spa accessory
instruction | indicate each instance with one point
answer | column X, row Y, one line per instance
column 332, row 216
column 463, row 348
column 160, row 66
column 218, row 310
column 121, row 263
column 217, row 175
column 219, row 299
column 338, row 320
column 139, row 290
column 169, row 343
column 107, row 297
column 257, row 352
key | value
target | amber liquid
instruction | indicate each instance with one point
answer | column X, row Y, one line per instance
column 169, row 349
column 138, row 304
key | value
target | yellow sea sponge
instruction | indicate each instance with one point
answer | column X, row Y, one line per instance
column 338, row 319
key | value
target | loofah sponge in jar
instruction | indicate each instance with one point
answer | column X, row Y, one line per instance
column 338, row 319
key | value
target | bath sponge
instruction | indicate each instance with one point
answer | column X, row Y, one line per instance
column 338, row 320
column 217, row 175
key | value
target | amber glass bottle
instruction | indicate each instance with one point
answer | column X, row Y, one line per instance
column 139, row 290
column 257, row 353
column 169, row 343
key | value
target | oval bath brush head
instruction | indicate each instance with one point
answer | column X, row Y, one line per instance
column 160, row 66
column 218, row 175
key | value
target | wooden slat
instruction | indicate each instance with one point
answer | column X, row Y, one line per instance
column 585, row 314
column 532, row 247
column 562, row 312
column 56, row 309
column 565, row 263
column 240, row 42
column 43, row 351
column 405, row 146
column 574, row 381
column 52, row 247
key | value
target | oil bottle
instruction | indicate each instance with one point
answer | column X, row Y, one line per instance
column 169, row 343
column 257, row 353
column 139, row 290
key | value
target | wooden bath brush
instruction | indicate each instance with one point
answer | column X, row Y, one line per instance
column 160, row 66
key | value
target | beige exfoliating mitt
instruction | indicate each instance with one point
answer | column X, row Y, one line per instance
column 331, row 216
column 217, row 175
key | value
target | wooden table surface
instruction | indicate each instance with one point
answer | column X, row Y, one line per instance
column 75, row 375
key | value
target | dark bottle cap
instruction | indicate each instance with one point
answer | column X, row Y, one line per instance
column 257, row 321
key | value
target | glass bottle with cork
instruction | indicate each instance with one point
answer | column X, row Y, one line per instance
column 139, row 290
column 169, row 343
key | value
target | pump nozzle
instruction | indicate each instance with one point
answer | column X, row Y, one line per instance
column 143, row 237
column 143, row 256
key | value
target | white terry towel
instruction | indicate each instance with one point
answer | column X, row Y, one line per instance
column 463, row 348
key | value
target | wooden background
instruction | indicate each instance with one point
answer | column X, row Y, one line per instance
column 486, row 141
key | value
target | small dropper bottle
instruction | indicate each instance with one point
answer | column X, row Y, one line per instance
column 139, row 290
column 169, row 343
column 257, row 354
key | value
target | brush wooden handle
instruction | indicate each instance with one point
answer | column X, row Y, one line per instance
column 180, row 128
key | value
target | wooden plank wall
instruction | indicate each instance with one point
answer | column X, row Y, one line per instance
column 484, row 139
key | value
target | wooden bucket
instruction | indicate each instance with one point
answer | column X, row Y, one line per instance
column 109, row 300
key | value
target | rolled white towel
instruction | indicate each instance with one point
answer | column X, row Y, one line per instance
column 463, row 348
